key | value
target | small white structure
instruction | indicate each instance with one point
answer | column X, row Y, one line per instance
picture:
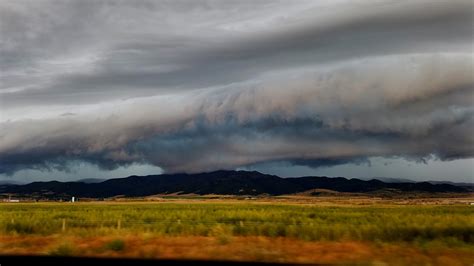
column 10, row 199
column 73, row 199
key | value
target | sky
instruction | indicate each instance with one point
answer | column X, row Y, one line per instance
column 360, row 88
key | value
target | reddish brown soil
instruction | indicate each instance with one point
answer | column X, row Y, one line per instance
column 237, row 248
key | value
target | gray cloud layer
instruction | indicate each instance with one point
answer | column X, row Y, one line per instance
column 203, row 85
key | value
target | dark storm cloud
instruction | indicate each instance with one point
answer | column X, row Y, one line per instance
column 130, row 56
column 203, row 85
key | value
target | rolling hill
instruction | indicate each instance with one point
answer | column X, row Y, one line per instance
column 218, row 182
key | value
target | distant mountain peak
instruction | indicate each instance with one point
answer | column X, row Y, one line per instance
column 90, row 180
column 224, row 182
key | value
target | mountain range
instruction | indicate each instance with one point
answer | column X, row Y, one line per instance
column 218, row 182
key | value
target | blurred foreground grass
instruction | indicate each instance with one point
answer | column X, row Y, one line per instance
column 424, row 227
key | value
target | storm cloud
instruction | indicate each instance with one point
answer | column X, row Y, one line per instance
column 195, row 86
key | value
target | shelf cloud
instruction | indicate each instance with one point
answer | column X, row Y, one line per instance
column 194, row 86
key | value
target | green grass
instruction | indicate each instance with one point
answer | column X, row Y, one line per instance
column 453, row 225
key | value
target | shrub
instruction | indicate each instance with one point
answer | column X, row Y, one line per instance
column 115, row 245
column 21, row 228
column 65, row 249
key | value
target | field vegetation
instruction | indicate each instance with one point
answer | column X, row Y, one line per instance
column 123, row 227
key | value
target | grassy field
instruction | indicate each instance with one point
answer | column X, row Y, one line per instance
column 264, row 231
